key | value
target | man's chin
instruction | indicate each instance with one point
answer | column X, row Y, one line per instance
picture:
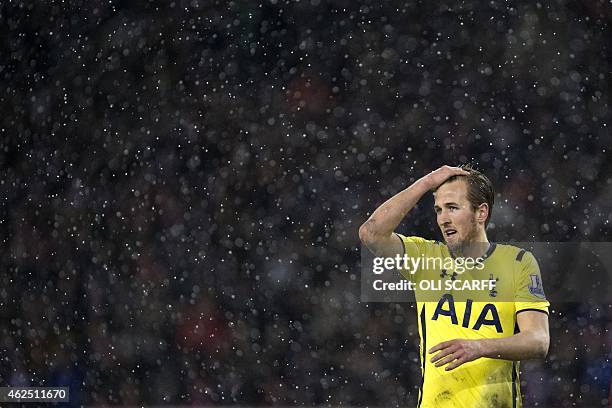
column 458, row 247
column 453, row 245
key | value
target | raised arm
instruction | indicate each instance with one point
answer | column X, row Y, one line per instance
column 377, row 232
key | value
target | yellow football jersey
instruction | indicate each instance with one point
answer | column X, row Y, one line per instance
column 445, row 314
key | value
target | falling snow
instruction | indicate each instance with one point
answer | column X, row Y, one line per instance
column 182, row 185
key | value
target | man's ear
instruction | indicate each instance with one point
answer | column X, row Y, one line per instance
column 482, row 212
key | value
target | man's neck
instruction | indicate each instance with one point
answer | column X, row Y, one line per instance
column 477, row 247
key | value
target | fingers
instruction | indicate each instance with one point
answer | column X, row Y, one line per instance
column 455, row 363
column 449, row 358
column 452, row 353
column 454, row 359
column 445, row 352
column 440, row 346
column 457, row 171
column 452, row 172
column 440, row 175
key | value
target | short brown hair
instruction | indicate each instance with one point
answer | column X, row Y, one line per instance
column 480, row 189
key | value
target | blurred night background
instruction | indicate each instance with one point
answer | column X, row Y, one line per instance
column 182, row 184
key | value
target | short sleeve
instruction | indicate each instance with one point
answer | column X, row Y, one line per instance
column 416, row 247
column 529, row 293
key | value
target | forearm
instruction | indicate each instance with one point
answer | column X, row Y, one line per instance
column 388, row 216
column 522, row 346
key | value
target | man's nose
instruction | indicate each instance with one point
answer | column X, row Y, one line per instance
column 443, row 218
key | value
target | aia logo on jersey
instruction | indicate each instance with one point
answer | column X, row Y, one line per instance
column 488, row 315
column 536, row 287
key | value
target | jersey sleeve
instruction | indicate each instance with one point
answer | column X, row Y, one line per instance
column 415, row 247
column 529, row 293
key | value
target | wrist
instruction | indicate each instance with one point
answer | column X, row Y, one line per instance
column 426, row 182
column 484, row 348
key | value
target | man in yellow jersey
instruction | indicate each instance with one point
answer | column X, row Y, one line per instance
column 470, row 347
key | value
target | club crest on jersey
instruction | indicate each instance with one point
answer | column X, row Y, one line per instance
column 536, row 288
column 445, row 274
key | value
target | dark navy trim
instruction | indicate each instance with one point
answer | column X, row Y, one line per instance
column 402, row 241
column 532, row 310
column 487, row 254
column 519, row 256
column 489, row 251
column 514, row 384
column 424, row 354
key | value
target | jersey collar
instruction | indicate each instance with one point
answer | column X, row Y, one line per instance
column 487, row 254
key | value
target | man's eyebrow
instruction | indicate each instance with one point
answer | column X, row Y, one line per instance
column 447, row 204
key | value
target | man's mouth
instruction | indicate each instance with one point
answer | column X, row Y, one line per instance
column 449, row 232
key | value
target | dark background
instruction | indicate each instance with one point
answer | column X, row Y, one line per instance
column 182, row 184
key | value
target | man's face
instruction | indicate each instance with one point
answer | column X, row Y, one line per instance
column 455, row 215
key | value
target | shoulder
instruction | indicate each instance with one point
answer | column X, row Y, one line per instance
column 516, row 254
column 416, row 239
column 423, row 245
